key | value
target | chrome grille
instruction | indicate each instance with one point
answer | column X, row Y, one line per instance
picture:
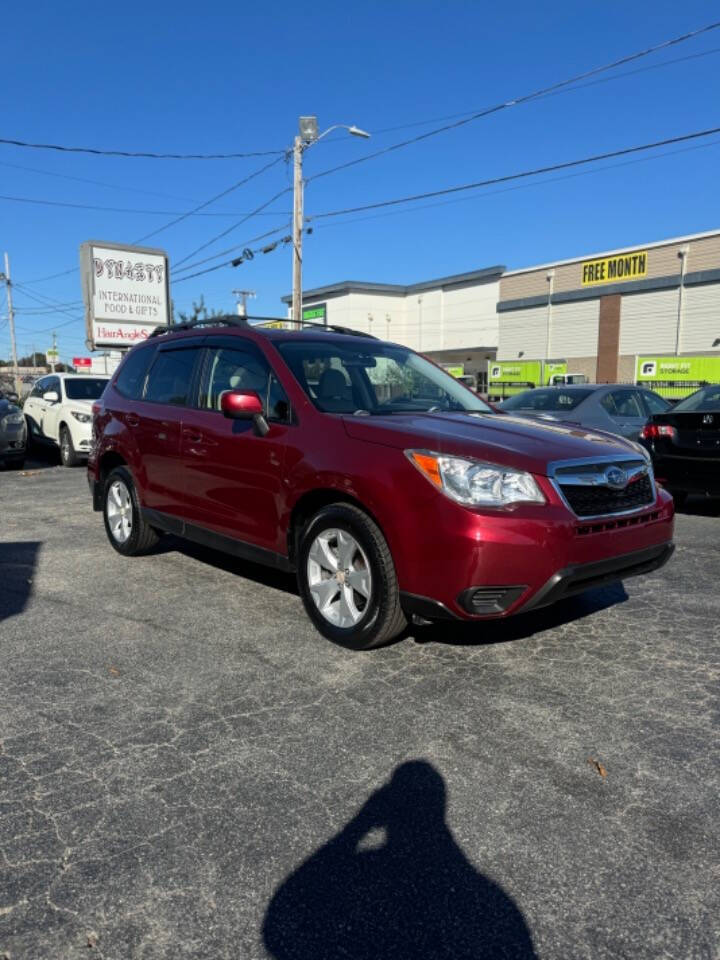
column 600, row 488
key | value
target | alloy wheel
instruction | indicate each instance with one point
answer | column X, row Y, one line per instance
column 119, row 511
column 339, row 577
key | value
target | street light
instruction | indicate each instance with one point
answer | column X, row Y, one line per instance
column 306, row 138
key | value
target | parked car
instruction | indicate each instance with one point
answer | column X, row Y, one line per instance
column 615, row 408
column 685, row 444
column 12, row 433
column 59, row 411
column 385, row 485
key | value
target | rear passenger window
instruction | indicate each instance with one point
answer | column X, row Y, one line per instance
column 170, row 379
column 131, row 378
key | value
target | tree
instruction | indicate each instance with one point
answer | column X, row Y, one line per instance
column 200, row 312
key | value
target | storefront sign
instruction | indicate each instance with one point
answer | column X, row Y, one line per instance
column 317, row 313
column 126, row 292
column 627, row 266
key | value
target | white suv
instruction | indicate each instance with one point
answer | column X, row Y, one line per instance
column 59, row 410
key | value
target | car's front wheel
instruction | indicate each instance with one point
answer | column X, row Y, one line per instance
column 347, row 578
column 68, row 455
column 127, row 531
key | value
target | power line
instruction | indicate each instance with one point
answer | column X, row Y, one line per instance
column 542, row 92
column 222, row 253
column 91, row 206
column 518, row 176
column 523, row 186
column 248, row 254
column 582, row 86
column 234, row 226
column 142, row 155
column 218, row 196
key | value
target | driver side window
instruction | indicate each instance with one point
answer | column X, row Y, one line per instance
column 229, row 368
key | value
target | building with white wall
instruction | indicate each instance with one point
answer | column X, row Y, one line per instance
column 452, row 319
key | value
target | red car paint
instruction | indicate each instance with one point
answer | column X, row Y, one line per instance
column 220, row 475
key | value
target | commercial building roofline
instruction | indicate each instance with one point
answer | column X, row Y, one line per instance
column 612, row 253
column 396, row 289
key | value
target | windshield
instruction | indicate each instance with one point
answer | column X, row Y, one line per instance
column 705, row 400
column 376, row 379
column 85, row 388
column 554, row 400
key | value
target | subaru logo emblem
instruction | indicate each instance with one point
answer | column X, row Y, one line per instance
column 708, row 418
column 616, row 479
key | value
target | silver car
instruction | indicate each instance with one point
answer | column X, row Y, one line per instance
column 13, row 435
column 615, row 407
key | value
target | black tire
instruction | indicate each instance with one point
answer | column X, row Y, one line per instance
column 679, row 496
column 381, row 618
column 68, row 456
column 141, row 537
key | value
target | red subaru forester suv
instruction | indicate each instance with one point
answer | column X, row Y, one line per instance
column 390, row 489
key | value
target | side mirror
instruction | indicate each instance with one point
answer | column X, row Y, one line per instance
column 51, row 396
column 244, row 405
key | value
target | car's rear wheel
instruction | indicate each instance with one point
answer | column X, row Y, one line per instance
column 127, row 531
column 347, row 578
column 68, row 456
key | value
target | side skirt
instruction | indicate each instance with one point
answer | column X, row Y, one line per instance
column 217, row 541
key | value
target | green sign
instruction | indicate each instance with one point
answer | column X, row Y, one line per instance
column 317, row 313
column 506, row 378
column 677, row 377
column 455, row 371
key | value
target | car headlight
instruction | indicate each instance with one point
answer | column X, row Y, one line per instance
column 474, row 483
column 82, row 417
column 13, row 418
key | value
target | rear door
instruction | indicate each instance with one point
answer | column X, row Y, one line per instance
column 233, row 477
column 626, row 410
column 33, row 407
column 156, row 423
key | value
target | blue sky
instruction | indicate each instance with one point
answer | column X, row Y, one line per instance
column 220, row 77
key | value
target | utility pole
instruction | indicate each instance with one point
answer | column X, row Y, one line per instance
column 298, row 227
column 54, row 346
column 242, row 299
column 11, row 323
column 307, row 136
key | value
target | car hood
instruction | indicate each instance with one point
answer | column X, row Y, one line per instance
column 511, row 441
column 7, row 407
column 83, row 405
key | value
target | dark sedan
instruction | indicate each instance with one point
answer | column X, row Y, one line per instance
column 685, row 445
column 12, row 433
column 616, row 408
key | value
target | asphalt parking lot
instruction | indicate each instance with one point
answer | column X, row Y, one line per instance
column 188, row 770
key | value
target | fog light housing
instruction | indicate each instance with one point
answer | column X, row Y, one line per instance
column 488, row 600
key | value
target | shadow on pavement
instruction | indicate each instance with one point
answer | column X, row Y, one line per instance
column 393, row 883
column 42, row 456
column 266, row 576
column 524, row 625
column 17, row 568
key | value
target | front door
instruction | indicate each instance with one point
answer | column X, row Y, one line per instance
column 233, row 476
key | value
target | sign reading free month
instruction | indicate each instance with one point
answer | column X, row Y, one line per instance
column 626, row 266
column 126, row 292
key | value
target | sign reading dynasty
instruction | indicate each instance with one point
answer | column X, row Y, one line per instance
column 126, row 292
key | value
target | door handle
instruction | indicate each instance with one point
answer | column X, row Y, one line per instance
column 192, row 437
column 132, row 421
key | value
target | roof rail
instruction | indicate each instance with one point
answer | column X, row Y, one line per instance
column 328, row 327
column 232, row 321
column 223, row 321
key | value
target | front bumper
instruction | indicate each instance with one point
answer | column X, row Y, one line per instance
column 481, row 565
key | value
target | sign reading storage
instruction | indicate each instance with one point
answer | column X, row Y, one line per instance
column 618, row 269
column 126, row 292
